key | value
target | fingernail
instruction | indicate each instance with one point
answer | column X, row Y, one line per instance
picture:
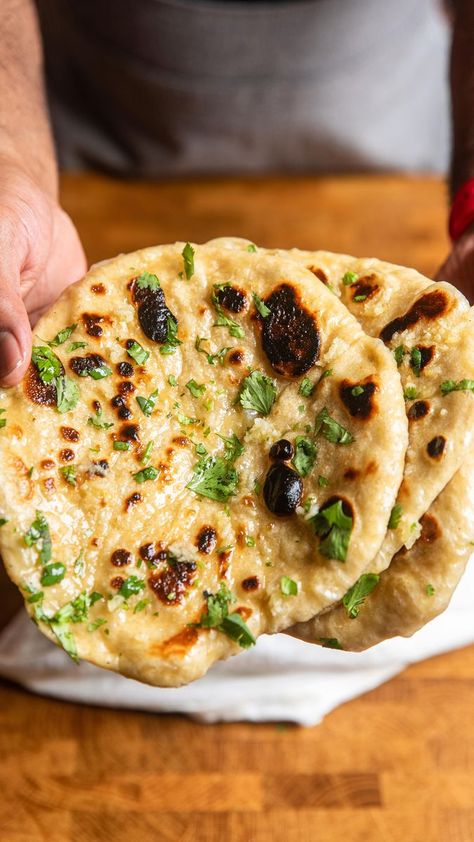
column 10, row 354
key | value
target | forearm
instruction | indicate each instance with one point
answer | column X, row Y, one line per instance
column 25, row 134
column 462, row 93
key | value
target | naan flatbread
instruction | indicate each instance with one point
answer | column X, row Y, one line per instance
column 148, row 527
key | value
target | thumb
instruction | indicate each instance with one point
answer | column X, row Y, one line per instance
column 15, row 332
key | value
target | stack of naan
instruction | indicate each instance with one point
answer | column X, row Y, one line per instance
column 218, row 441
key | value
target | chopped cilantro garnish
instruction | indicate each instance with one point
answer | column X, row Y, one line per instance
column 215, row 478
column 305, row 455
column 99, row 372
column 217, row 617
column 146, row 474
column 258, row 392
column 3, row 421
column 416, row 361
column 334, row 527
column 186, row 420
column 148, row 281
column 92, row 627
column 288, row 586
column 188, row 259
column 410, row 393
column 52, row 574
column 251, row 248
column 356, row 595
column 147, row 405
column 74, row 346
column 69, row 474
column 399, row 353
column 331, row 429
column 39, row 532
column 350, row 278
column 67, row 394
column 261, row 306
column 329, row 642
column 121, row 445
column 200, row 449
column 357, row 390
column 3, row 521
column 460, row 386
column 98, row 422
column 213, row 359
column 196, row 389
column 249, row 541
column 147, row 453
column 361, row 297
column 306, row 387
column 430, row 590
column 225, row 321
column 172, row 380
column 141, row 605
column 172, row 341
column 138, row 353
column 62, row 336
column 50, row 371
column 131, row 586
column 326, row 373
column 233, row 447
column 395, row 516
column 65, row 638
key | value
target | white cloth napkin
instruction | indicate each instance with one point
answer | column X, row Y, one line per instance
column 280, row 679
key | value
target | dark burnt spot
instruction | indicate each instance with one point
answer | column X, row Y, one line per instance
column 92, row 323
column 82, row 366
column 232, row 298
column 124, row 369
column 98, row 289
column 251, row 583
column 358, row 398
column 153, row 555
column 426, row 353
column 132, row 501
column 236, row 357
column 153, row 314
column 48, row 485
column 120, row 558
column 47, row 464
column 282, row 489
column 418, row 410
column 290, row 337
column 69, row 434
column 94, row 542
column 96, row 406
column 66, row 455
column 430, row 529
column 206, row 539
column 37, row 391
column 117, row 582
column 363, row 289
column 170, row 585
column 435, row 447
column 351, row 473
column 428, row 307
column 282, row 451
column 125, row 388
column 319, row 273
column 124, row 413
column 117, row 400
column 129, row 432
column 182, row 441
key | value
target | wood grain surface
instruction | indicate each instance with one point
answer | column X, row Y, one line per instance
column 396, row 765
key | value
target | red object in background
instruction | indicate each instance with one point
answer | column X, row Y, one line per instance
column 462, row 211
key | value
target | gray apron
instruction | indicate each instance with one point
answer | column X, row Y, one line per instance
column 170, row 87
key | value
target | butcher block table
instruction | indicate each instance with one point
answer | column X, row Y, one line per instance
column 397, row 764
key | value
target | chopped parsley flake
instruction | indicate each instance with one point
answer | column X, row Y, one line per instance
column 147, row 405
column 233, row 447
column 188, row 259
column 215, row 478
column 133, row 585
column 62, row 336
column 74, row 346
column 186, row 420
column 323, row 482
column 395, row 516
column 305, row 455
column 3, row 521
column 251, row 248
column 326, row 373
column 196, row 389
column 399, row 353
column 121, row 445
column 249, row 541
column 356, row 595
column 99, row 372
column 138, row 353
column 331, row 429
column 288, row 586
column 3, row 421
column 306, row 387
column 53, row 573
column 172, row 380
column 213, row 359
column 146, row 474
column 334, row 527
column 410, row 393
column 460, row 386
column 357, row 390
column 39, row 532
column 98, row 422
column 260, row 306
column 430, row 590
column 258, row 392
column 50, row 371
column 361, row 297
column 225, row 321
column 147, row 453
column 350, row 278
column 217, row 617
column 172, row 341
column 69, row 474
column 148, row 281
column 329, row 642
column 92, row 627
column 416, row 361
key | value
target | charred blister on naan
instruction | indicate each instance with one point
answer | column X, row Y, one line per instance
column 320, row 274
column 282, row 489
column 236, row 357
column 430, row 306
column 430, row 529
column 125, row 369
column 98, row 289
column 92, row 323
column 435, row 448
column 121, row 557
column 120, row 404
column 132, row 501
column 82, row 366
column 206, row 539
column 70, row 434
column 418, row 410
column 170, row 585
column 66, row 454
column 153, row 555
column 359, row 397
column 44, row 394
column 232, row 298
column 363, row 289
column 290, row 335
column 426, row 355
column 153, row 314
column 251, row 583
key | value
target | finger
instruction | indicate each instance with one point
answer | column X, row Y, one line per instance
column 15, row 333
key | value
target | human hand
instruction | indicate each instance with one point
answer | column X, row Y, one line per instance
column 458, row 268
column 40, row 255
